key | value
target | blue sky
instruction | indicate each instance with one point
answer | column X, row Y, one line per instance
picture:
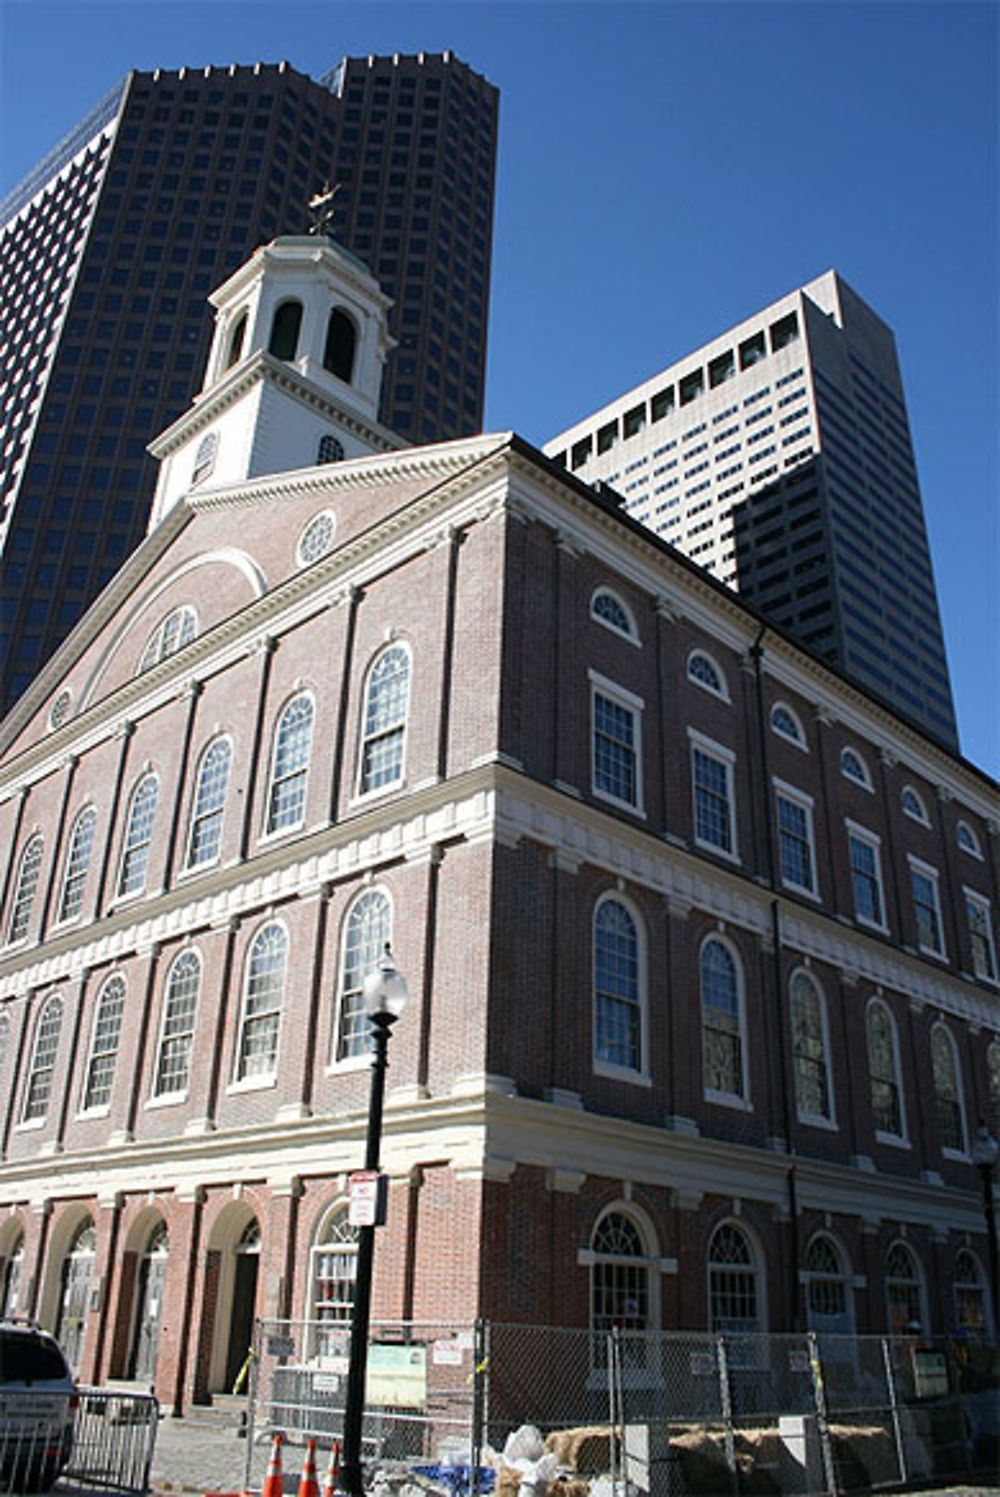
column 665, row 170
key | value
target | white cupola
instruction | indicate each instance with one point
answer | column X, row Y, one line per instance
column 294, row 373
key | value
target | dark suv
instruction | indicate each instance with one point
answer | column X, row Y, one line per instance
column 38, row 1401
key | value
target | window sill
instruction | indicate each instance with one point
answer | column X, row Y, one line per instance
column 894, row 1140
column 882, row 929
column 934, row 954
column 168, row 1099
column 365, row 797
column 30, row 1125
column 279, row 833
column 621, row 1073
column 621, row 805
column 717, row 851
column 728, row 1099
column 86, row 1113
column 815, row 1120
column 252, row 1084
column 192, row 870
column 957, row 1156
column 801, row 891
column 349, row 1063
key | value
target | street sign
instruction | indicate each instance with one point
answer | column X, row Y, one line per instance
column 367, row 1191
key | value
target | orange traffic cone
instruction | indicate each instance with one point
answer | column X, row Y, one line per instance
column 272, row 1481
column 332, row 1471
column 308, row 1485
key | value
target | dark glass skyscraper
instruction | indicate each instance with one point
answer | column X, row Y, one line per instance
column 108, row 249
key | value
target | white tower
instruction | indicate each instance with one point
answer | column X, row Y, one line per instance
column 294, row 373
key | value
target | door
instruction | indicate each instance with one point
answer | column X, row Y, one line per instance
column 244, row 1301
column 148, row 1308
column 77, row 1269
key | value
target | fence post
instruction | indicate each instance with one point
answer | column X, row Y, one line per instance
column 252, row 1381
column 894, row 1406
column 726, row 1402
column 822, row 1417
column 480, row 1373
column 612, row 1348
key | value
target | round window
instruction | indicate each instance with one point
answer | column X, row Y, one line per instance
column 317, row 538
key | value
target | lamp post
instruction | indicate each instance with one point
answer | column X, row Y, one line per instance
column 384, row 997
column 984, row 1156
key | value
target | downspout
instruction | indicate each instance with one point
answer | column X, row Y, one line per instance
column 757, row 656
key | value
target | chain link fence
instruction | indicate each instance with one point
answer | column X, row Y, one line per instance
column 626, row 1413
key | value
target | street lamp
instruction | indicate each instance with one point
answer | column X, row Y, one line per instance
column 984, row 1156
column 384, row 997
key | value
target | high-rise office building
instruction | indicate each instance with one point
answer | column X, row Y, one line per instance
column 778, row 456
column 108, row 249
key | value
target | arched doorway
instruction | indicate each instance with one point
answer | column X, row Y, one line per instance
column 245, row 1266
column 149, row 1306
column 77, row 1271
column 11, row 1269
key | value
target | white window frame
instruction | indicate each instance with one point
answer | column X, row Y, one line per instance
column 863, row 778
column 872, row 840
column 913, row 806
column 918, row 1280
column 356, row 1058
column 798, row 736
column 160, row 1098
column 739, row 1100
column 721, row 691
column 324, row 521
column 244, row 1079
column 979, row 902
column 137, row 840
column 947, row 1150
column 753, row 1271
column 398, row 727
column 900, row 1139
column 804, row 803
column 920, row 869
column 968, row 840
column 72, row 869
column 40, row 1076
column 163, row 643
column 199, row 815
column 630, row 632
column 603, row 1067
column 725, row 757
column 109, row 1053
column 628, row 702
column 29, row 873
column 638, row 1363
column 302, row 770
column 813, row 1119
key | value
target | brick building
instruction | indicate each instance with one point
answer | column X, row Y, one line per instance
column 700, row 938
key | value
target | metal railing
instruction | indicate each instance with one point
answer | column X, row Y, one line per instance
column 99, row 1438
column 662, row 1413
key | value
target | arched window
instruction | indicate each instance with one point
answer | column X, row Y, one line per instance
column 828, row 1301
column 722, row 1040
column 170, row 635
column 367, row 932
column 853, row 767
column 913, row 805
column 28, row 873
column 948, row 1102
column 285, row 330
column 786, row 724
column 608, row 609
column 386, row 703
column 334, row 1275
column 59, row 711
column 173, row 1059
column 81, row 844
column 209, row 805
column 138, row 835
column 341, row 340
column 967, row 840
column 733, row 1282
column 702, row 669
column 617, row 997
column 904, row 1299
column 809, row 1049
column 205, row 456
column 883, row 1071
column 263, row 992
column 104, row 1044
column 236, row 340
column 316, row 540
column 330, row 449
column 43, row 1060
column 620, row 1287
column 286, row 801
column 970, row 1295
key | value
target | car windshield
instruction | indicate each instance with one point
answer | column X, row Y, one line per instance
column 27, row 1358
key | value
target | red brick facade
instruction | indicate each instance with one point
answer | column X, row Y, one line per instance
column 509, row 1132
